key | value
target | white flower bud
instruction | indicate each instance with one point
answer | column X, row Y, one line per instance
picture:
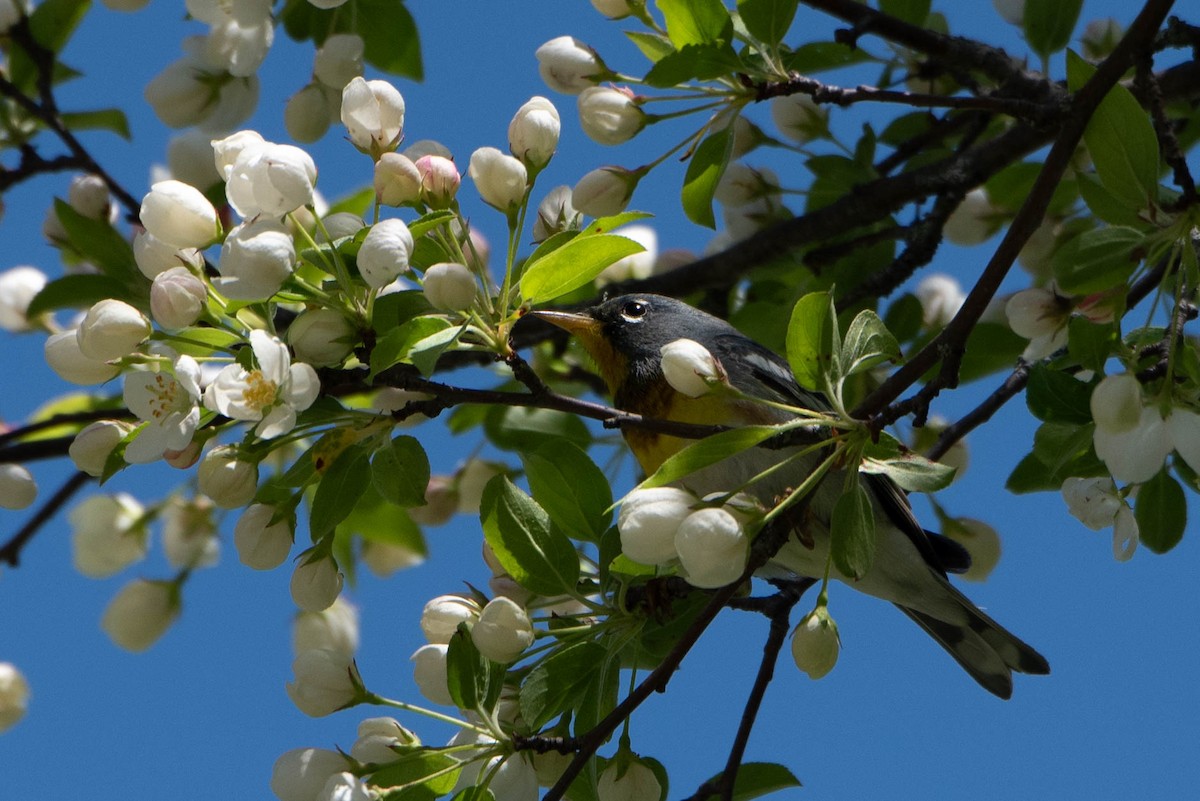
column 429, row 673
column 712, row 548
column 1013, row 11
column 385, row 252
column 256, row 259
column 1100, row 37
column 321, row 337
column 815, row 643
column 397, row 180
column 1092, row 501
column 228, row 150
column 1036, row 312
column 1133, row 456
column 190, row 533
column 301, row 774
column 441, row 502
column 229, row 481
column 17, row 487
column 333, row 629
column 973, row 220
column 179, row 215
column 605, row 191
column 384, row 558
column 554, row 214
column 94, row 444
column 345, row 786
column 111, row 329
column 982, row 543
column 307, row 115
column 373, row 113
column 339, row 60
column 610, row 116
column 648, row 521
column 503, row 631
column 141, row 613
column 742, row 184
column 941, row 297
column 88, row 195
column 1125, row 534
column 1116, row 403
column 376, row 738
column 190, row 159
column 439, row 181
column 18, row 287
column 177, row 298
column 441, row 616
column 14, row 689
column 501, row 180
column 470, row 483
column 690, row 368
column 107, row 534
column 1183, row 431
column 615, row 9
column 11, row 12
column 316, row 582
column 637, row 783
column 449, row 287
column 64, row 357
column 270, row 180
column 513, row 777
column 154, row 256
column 569, row 66
column 533, row 132
column 325, row 682
column 261, row 544
column 799, row 118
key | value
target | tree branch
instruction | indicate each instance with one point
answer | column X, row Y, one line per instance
column 10, row 552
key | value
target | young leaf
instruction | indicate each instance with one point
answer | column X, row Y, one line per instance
column 768, row 20
column 694, row 62
column 1054, row 396
column 868, row 342
column 422, row 769
column 400, row 472
column 1097, row 260
column 339, row 490
column 696, row 21
column 76, row 292
column 1090, row 343
column 755, row 779
column 1161, row 512
column 538, row 556
column 397, row 345
column 573, row 265
column 469, row 675
column 571, row 488
column 708, row 451
column 810, row 338
column 852, row 532
column 559, row 683
column 108, row 119
column 1048, row 25
column 100, row 243
column 703, row 173
column 390, row 37
column 911, row 471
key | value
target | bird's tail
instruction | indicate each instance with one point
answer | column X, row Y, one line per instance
column 984, row 648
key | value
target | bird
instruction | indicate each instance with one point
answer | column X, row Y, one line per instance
column 624, row 336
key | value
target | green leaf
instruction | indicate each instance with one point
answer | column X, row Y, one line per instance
column 425, row 352
column 108, row 119
column 756, row 779
column 53, row 22
column 810, row 339
column 821, row 56
column 911, row 471
column 868, row 342
column 516, row 428
column 696, row 21
column 1161, row 512
column 571, row 488
column 990, row 347
column 703, row 173
column 538, row 556
column 419, row 766
column 339, row 490
column 708, row 451
column 1104, row 204
column 1090, row 343
column 376, row 520
column 75, row 292
column 390, row 37
column 397, row 308
column 574, row 264
column 702, row 62
column 1048, row 25
column 653, row 46
column 1097, row 260
column 1057, row 397
column 469, row 675
column 559, row 683
column 400, row 472
column 1120, row 139
column 397, row 345
column 100, row 244
column 852, row 532
column 914, row 12
column 767, row 20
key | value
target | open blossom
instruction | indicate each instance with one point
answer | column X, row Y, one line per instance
column 240, row 33
column 1134, row 455
column 385, row 252
column 256, row 258
column 500, row 179
column 690, row 368
column 568, row 65
column 107, row 534
column 1116, row 403
column 167, row 402
column 533, row 132
column 377, row 738
column 270, row 179
column 610, row 116
column 373, row 113
column 1097, row 504
column 1040, row 315
column 18, row 287
column 271, row 394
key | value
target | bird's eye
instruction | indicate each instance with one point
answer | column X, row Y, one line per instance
column 634, row 309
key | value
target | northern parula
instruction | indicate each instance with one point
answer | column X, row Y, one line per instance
column 625, row 336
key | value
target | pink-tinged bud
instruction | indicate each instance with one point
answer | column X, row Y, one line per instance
column 439, row 181
column 397, row 180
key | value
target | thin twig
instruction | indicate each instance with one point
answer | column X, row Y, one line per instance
column 10, row 552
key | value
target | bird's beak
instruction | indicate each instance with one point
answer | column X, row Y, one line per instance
column 580, row 325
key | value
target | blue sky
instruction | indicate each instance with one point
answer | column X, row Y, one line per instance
column 203, row 714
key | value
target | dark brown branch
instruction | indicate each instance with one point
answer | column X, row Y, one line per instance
column 1168, row 142
column 10, row 552
column 32, row 164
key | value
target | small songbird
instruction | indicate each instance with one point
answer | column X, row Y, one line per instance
column 625, row 336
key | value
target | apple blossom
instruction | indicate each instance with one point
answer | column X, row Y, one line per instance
column 325, row 682
column 634, row 781
column 177, row 298
column 533, row 132
column 271, row 180
column 17, row 487
column 441, row 502
column 92, row 446
column 385, row 252
column 326, row 4
column 184, row 94
column 450, row 287
column 168, row 404
column 1116, row 403
column 1092, row 501
column 88, row 195
column 67, row 360
column 339, row 60
column 1040, row 315
column 340, row 225
column 941, row 296
column 1126, row 534
column 690, row 368
column 470, row 482
column 316, row 582
column 441, row 616
column 321, row 337
column 614, row 9
column 429, row 673
column 610, row 116
column 741, row 184
column 225, row 478
column 332, row 629
column 385, row 558
column 501, row 180
column 256, row 259
column 741, row 222
column 799, row 118
column 261, row 544
column 190, row 159
column 512, row 777
column 555, row 213
column 108, row 534
column 815, row 643
column 1100, row 37
column 301, row 774
column 982, row 543
column 179, row 215
column 11, row 12
column 973, row 220
column 154, row 256
column 307, row 115
column 1134, row 455
column 439, row 181
column 636, row 265
column 140, row 613
column 346, row 786
column 568, row 65
column 18, row 287
column 373, row 113
column 397, row 180
column 712, row 548
column 14, row 689
column 648, row 521
column 427, row 147
column 190, row 533
column 605, row 191
column 240, row 35
column 228, row 149
column 503, row 631
column 377, row 739
column 111, row 329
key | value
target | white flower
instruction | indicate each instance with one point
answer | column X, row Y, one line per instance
column 500, row 179
column 111, row 329
column 88, row 195
column 441, row 501
column 261, row 544
column 190, row 533
column 1116, row 403
column 154, row 256
column 982, row 543
column 271, row 394
column 799, row 117
column 190, row 159
column 636, row 783
column 973, row 220
column 341, row 224
column 439, row 180
column 321, row 337
column 11, row 12
column 241, row 34
column 568, row 65
column 513, row 777
column 712, row 548
column 815, row 643
column 397, row 180
column 604, row 191
column 427, row 147
column 385, row 252
column 1183, row 430
column 615, row 9
column 141, row 613
column 533, row 132
column 690, row 368
column 503, row 631
column 1092, row 501
column 346, row 787
column 67, row 360
column 92, row 446
column 742, row 184
column 14, row 689
column 1125, row 534
column 385, row 558
column 339, row 60
column 179, row 215
column 167, row 403
column 228, row 480
column 1134, row 455
column 470, row 483
column 332, row 629
column 271, row 180
column 636, row 265
column 555, row 213
column 17, row 487
column 183, row 94
column 107, row 534
column 326, row 4
column 325, row 682
column 373, row 113
column 610, row 116
column 648, row 521
column 1040, row 315
column 429, row 673
column 1013, row 11
column 441, row 616
column 256, row 259
column 316, row 582
column 227, row 150
column 1100, row 36
column 941, row 297
column 177, row 298
column 18, row 287
column 307, row 114
column 301, row 774
column 377, row 738
column 449, row 287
